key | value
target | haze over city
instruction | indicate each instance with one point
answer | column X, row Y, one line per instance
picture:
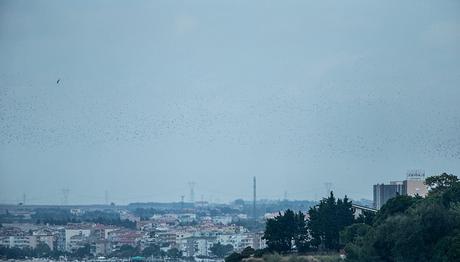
column 139, row 98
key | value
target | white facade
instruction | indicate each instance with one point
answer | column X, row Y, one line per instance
column 18, row 241
column 238, row 241
column 69, row 233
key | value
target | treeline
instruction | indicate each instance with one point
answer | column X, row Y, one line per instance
column 62, row 216
column 146, row 213
column 411, row 228
column 41, row 251
column 100, row 220
column 405, row 229
column 290, row 231
column 55, row 216
column 126, row 251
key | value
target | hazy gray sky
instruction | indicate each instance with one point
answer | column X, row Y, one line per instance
column 154, row 94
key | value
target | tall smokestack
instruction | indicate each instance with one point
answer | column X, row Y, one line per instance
column 254, row 215
column 192, row 191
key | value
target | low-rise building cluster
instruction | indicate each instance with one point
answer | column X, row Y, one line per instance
column 192, row 235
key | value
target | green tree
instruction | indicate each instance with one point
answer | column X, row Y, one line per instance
column 301, row 236
column 441, row 182
column 350, row 233
column 326, row 221
column 247, row 252
column 82, row 252
column 367, row 217
column 448, row 248
column 152, row 250
column 126, row 251
column 282, row 230
column 451, row 196
column 260, row 252
column 395, row 205
column 42, row 250
column 234, row 257
column 15, row 253
column 220, row 250
column 411, row 229
column 174, row 253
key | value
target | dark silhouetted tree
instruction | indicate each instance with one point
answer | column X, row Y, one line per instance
column 234, row 257
column 220, row 250
column 326, row 221
column 152, row 250
column 247, row 252
column 282, row 230
column 174, row 253
column 440, row 183
column 411, row 228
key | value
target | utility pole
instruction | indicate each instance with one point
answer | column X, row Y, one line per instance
column 254, row 189
column 106, row 197
column 182, row 202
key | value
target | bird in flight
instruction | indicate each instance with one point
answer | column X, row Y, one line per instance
column 59, row 80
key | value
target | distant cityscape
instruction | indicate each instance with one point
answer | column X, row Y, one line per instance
column 189, row 230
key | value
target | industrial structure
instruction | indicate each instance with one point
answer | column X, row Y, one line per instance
column 254, row 210
column 412, row 186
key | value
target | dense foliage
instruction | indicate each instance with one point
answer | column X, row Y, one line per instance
column 41, row 251
column 406, row 228
column 411, row 228
column 220, row 250
column 320, row 232
column 283, row 230
column 326, row 221
column 153, row 251
column 237, row 257
column 58, row 216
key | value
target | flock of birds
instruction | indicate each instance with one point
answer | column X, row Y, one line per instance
column 296, row 121
column 293, row 123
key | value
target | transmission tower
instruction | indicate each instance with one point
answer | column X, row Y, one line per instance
column 65, row 196
column 328, row 186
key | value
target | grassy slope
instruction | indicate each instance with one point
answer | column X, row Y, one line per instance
column 294, row 258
